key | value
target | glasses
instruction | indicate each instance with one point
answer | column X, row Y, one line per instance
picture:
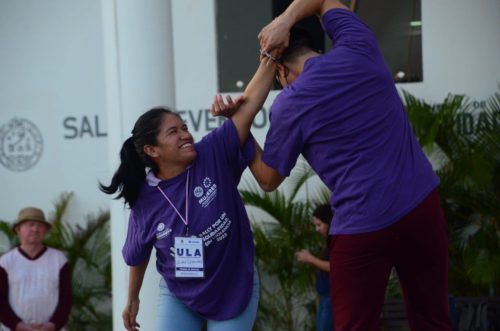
column 280, row 67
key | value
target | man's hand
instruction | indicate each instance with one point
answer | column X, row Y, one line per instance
column 129, row 315
column 275, row 36
column 24, row 327
column 228, row 108
column 303, row 256
column 49, row 326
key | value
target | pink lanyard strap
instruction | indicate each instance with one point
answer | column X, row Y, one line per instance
column 184, row 220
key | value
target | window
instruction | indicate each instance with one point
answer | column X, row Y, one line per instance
column 397, row 25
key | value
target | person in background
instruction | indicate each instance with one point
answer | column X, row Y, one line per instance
column 321, row 218
column 35, row 280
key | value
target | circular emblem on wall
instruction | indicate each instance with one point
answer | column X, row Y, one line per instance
column 21, row 144
column 198, row 191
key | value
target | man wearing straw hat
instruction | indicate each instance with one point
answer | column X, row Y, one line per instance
column 35, row 280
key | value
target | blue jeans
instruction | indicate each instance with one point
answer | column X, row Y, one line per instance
column 324, row 321
column 173, row 315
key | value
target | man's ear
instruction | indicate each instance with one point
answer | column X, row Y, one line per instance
column 279, row 67
column 150, row 150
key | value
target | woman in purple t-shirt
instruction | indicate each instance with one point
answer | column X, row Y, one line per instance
column 185, row 203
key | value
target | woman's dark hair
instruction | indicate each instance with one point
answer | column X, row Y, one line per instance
column 323, row 213
column 131, row 174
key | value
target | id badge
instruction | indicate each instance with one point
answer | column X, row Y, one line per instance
column 189, row 257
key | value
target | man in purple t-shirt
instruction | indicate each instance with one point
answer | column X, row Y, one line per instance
column 342, row 112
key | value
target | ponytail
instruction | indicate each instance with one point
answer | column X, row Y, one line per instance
column 129, row 176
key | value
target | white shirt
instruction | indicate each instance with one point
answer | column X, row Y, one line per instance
column 33, row 284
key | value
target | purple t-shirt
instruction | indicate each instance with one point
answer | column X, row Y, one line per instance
column 216, row 214
column 344, row 114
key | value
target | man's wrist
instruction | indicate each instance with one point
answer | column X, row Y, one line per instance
column 287, row 19
column 267, row 60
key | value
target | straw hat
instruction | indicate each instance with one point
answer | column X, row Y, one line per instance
column 31, row 214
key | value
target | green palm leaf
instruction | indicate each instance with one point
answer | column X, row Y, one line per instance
column 469, row 168
column 283, row 227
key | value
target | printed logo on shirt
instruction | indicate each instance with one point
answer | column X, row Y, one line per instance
column 198, row 191
column 217, row 231
column 210, row 193
column 161, row 231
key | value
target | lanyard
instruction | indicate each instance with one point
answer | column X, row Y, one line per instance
column 184, row 220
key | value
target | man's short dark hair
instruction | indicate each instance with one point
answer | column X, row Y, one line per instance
column 300, row 43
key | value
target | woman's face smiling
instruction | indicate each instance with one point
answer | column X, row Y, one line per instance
column 174, row 150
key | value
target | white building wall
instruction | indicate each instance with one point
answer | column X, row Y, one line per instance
column 461, row 49
column 139, row 75
column 51, row 74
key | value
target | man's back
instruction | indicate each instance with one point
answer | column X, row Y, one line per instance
column 343, row 113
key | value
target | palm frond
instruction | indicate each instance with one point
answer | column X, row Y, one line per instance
column 470, row 183
column 299, row 180
column 287, row 286
column 7, row 237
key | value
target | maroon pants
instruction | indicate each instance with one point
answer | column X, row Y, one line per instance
column 417, row 247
